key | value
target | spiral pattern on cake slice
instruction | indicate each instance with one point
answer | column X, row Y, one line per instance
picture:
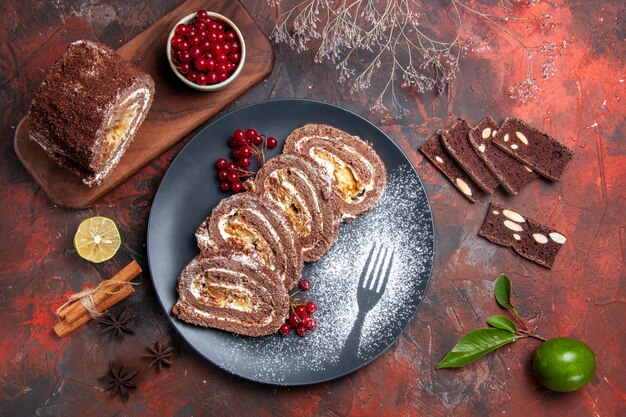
column 257, row 226
column 228, row 290
column 304, row 194
column 358, row 174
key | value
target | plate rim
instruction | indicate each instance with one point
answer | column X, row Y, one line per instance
column 351, row 370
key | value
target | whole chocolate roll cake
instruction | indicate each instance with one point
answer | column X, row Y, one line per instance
column 231, row 291
column 257, row 226
column 358, row 174
column 305, row 195
column 88, row 109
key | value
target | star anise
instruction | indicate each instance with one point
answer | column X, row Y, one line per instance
column 118, row 380
column 159, row 355
column 116, row 326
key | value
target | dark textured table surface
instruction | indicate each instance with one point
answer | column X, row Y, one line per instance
column 582, row 296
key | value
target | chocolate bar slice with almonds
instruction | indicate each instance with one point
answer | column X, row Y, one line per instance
column 456, row 142
column 434, row 150
column 512, row 174
column 528, row 238
column 533, row 148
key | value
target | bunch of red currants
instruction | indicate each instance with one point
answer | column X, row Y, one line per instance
column 245, row 145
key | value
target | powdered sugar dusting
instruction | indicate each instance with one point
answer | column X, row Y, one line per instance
column 344, row 339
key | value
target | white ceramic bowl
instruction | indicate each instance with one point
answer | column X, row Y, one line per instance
column 213, row 87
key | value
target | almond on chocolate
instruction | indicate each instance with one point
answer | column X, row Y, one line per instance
column 534, row 148
column 434, row 150
column 456, row 141
column 513, row 175
column 527, row 237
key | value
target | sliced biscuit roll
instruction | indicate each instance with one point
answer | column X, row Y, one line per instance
column 228, row 290
column 257, row 226
column 88, row 109
column 357, row 172
column 304, row 194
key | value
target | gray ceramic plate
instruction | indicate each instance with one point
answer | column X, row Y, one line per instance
column 352, row 329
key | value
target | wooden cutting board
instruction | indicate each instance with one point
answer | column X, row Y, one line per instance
column 176, row 110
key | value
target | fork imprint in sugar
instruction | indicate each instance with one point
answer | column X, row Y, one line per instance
column 371, row 287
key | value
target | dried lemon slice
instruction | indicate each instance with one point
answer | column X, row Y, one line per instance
column 97, row 239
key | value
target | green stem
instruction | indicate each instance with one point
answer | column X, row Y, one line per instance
column 519, row 318
column 535, row 336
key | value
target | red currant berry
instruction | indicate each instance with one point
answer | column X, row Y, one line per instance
column 221, row 68
column 194, row 40
column 236, row 153
column 220, row 37
column 192, row 76
column 310, row 323
column 231, row 141
column 184, row 56
column 257, row 140
column 213, row 78
column 195, row 51
column 305, row 285
column 203, row 34
column 251, row 134
column 220, row 27
column 199, row 24
column 222, row 77
column 241, row 142
column 183, row 45
column 231, row 66
column 226, row 47
column 293, row 320
column 216, row 48
column 221, row 163
column 213, row 26
column 271, row 142
column 231, row 36
column 237, row 187
column 225, row 186
column 212, row 37
column 239, row 134
column 221, row 57
column 232, row 176
column 234, row 57
column 301, row 331
column 184, row 68
column 211, row 64
column 245, row 151
column 201, row 79
column 205, row 45
column 191, row 32
column 202, row 14
column 235, row 46
column 285, row 329
column 245, row 162
column 301, row 312
column 176, row 41
column 182, row 29
column 231, row 166
column 311, row 307
column 222, row 174
column 200, row 64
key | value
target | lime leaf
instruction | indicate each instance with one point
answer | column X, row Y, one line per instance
column 502, row 322
column 475, row 345
column 503, row 291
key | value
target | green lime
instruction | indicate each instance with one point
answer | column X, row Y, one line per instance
column 564, row 364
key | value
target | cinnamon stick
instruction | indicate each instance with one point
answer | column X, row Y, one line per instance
column 76, row 310
column 64, row 327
